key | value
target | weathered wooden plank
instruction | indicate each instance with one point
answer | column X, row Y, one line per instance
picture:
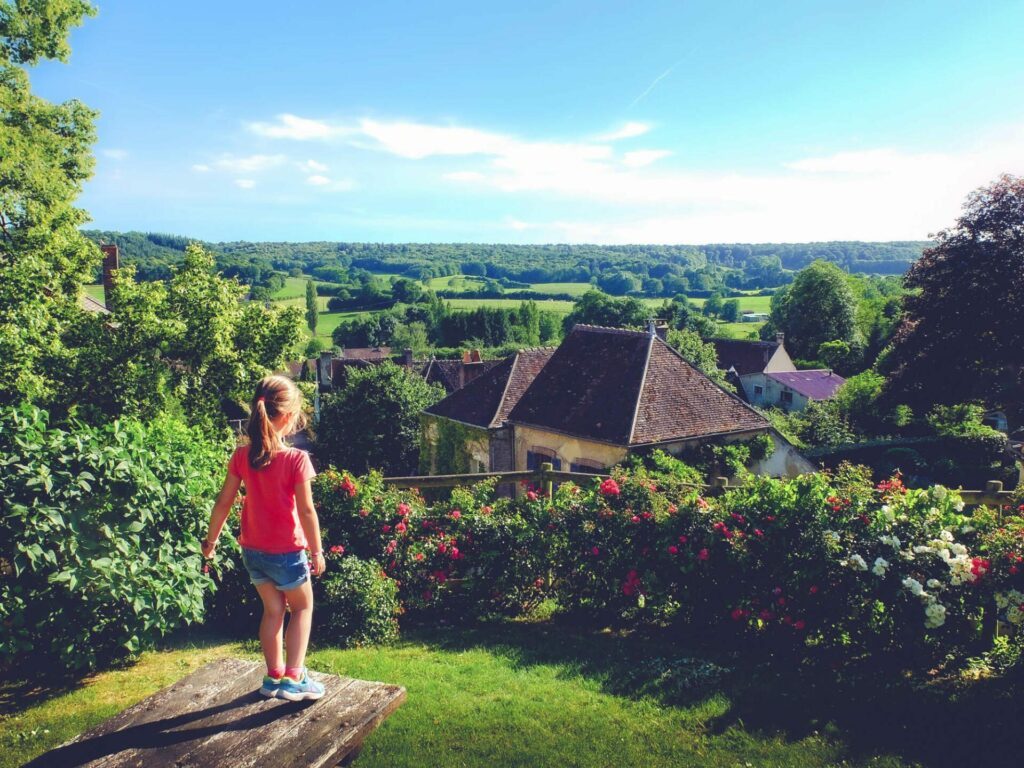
column 360, row 721
column 174, row 705
column 275, row 742
column 216, row 717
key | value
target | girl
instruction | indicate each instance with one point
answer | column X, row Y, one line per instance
column 278, row 524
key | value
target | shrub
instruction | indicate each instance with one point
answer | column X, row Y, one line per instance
column 357, row 603
column 824, row 566
column 99, row 535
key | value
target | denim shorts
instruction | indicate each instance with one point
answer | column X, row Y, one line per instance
column 286, row 572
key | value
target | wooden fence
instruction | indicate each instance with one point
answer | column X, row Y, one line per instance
column 992, row 496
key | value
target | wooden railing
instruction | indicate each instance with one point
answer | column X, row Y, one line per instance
column 545, row 478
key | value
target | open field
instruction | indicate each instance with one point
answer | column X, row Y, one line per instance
column 559, row 306
column 509, row 695
column 95, row 292
column 576, row 289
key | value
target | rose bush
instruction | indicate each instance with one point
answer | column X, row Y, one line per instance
column 829, row 565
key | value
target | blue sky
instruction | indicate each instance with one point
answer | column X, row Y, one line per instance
column 667, row 122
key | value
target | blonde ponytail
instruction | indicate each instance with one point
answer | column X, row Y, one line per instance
column 275, row 395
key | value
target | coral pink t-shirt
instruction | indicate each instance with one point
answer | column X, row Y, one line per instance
column 270, row 518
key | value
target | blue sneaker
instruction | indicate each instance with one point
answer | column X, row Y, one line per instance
column 271, row 687
column 300, row 690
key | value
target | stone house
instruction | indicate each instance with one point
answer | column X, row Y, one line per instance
column 601, row 395
column 793, row 390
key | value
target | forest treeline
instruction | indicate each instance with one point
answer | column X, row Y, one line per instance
column 649, row 270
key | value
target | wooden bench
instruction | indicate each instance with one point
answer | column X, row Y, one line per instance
column 215, row 717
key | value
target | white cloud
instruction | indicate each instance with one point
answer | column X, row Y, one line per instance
column 249, row 163
column 245, row 183
column 330, row 185
column 875, row 193
column 318, row 181
column 627, row 131
column 642, row 157
column 296, row 128
column 201, row 168
column 517, row 225
column 115, row 154
column 313, row 166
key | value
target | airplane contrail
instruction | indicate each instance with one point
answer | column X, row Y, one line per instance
column 656, row 80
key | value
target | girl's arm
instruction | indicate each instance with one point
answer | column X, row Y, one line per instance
column 221, row 510
column 310, row 524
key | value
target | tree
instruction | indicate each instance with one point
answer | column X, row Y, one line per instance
column 713, row 305
column 699, row 354
column 44, row 158
column 312, row 308
column 190, row 341
column 730, row 311
column 596, row 308
column 962, row 337
column 818, row 307
column 373, row 422
column 411, row 336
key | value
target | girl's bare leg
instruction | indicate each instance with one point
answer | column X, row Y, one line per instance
column 300, row 601
column 272, row 624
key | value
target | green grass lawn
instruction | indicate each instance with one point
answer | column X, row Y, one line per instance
column 739, row 330
column 543, row 694
column 95, row 292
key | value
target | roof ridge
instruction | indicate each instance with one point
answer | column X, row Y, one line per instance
column 504, row 390
column 640, row 390
column 608, row 329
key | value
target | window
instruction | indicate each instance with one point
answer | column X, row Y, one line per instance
column 786, row 397
column 586, row 465
column 537, row 456
column 758, row 390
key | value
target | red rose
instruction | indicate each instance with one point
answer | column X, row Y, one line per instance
column 538, row 583
column 403, row 509
column 456, row 514
column 420, row 555
column 485, row 510
column 634, row 519
column 400, row 527
column 337, row 549
column 531, row 496
column 455, row 553
column 609, row 487
column 364, row 512
column 595, row 551
column 683, row 539
column 386, row 528
column 672, row 509
column 1014, row 570
column 703, row 554
column 673, row 550
column 770, row 518
column 799, row 624
column 759, row 533
column 738, row 614
column 814, row 589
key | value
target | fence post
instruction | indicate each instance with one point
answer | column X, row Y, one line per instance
column 546, row 483
column 720, row 484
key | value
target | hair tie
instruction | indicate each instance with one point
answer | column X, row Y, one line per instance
column 261, row 399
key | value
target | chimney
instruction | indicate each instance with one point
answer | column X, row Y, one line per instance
column 652, row 329
column 407, row 357
column 111, row 263
column 661, row 329
column 780, row 338
column 324, row 369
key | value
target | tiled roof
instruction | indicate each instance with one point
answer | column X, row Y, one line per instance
column 814, row 384
column 446, row 372
column 375, row 354
column 486, row 400
column 744, row 356
column 89, row 304
column 628, row 388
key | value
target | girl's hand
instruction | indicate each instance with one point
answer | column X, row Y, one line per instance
column 317, row 563
column 208, row 548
